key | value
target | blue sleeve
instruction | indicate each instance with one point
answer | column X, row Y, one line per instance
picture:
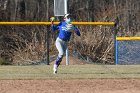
column 77, row 31
column 54, row 28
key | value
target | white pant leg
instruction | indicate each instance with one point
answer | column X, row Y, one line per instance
column 61, row 46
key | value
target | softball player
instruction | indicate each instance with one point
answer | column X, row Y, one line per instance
column 65, row 30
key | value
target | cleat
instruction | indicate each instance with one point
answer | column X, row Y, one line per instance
column 55, row 69
column 55, row 72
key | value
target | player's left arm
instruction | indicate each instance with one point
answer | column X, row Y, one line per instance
column 77, row 30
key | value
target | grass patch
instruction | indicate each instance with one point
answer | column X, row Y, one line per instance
column 70, row 72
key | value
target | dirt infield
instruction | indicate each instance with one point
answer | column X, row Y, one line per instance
column 71, row 86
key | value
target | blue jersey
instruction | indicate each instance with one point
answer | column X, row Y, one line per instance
column 65, row 30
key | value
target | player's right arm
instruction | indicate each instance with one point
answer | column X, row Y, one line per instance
column 54, row 28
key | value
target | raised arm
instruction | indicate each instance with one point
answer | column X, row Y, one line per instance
column 54, row 28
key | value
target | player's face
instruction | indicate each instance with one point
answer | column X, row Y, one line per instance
column 65, row 19
column 68, row 20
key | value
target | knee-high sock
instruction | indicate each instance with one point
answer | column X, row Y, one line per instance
column 58, row 60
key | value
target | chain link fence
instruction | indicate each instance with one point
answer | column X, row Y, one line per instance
column 129, row 52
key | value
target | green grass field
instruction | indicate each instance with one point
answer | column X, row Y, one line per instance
column 70, row 72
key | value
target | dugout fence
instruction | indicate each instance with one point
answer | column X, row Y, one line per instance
column 128, row 50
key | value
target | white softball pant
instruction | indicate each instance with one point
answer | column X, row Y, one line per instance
column 61, row 46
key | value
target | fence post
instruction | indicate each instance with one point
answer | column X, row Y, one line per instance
column 116, row 52
column 67, row 56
